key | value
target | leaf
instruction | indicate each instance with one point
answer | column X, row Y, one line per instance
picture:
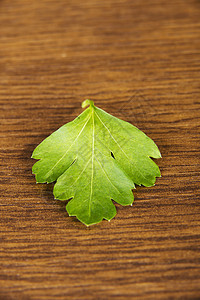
column 93, row 159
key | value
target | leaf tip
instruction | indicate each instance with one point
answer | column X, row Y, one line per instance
column 87, row 102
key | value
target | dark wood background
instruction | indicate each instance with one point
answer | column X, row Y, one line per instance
column 140, row 61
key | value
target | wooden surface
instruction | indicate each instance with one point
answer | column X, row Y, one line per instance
column 140, row 61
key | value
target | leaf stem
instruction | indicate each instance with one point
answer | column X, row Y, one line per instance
column 87, row 102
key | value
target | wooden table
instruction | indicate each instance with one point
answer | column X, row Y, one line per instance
column 140, row 61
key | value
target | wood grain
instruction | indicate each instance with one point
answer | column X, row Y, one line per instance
column 140, row 61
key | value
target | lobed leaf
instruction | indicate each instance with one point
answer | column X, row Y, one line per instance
column 95, row 159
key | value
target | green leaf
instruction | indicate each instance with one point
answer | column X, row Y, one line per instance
column 95, row 159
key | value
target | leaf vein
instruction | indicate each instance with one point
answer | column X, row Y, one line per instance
column 67, row 149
